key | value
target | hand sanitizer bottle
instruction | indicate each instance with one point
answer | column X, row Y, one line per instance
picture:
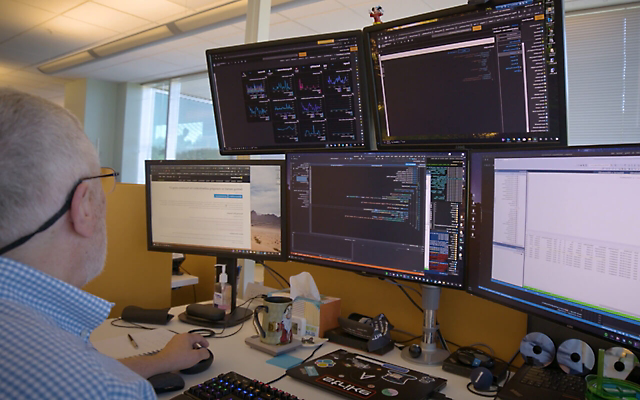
column 222, row 292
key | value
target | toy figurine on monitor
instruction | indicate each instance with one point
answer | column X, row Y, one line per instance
column 376, row 13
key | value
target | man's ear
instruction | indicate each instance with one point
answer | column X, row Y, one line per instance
column 83, row 211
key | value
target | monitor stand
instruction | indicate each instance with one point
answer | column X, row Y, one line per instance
column 430, row 354
column 237, row 315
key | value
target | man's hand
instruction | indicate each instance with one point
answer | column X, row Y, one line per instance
column 183, row 351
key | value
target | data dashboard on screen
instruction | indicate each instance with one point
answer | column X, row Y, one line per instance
column 305, row 93
column 471, row 76
column 227, row 208
column 397, row 215
column 555, row 233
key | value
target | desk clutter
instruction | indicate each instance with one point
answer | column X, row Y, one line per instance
column 347, row 374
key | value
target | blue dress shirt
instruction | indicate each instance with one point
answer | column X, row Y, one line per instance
column 44, row 341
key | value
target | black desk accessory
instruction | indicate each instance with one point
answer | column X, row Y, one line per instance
column 339, row 336
column 364, row 333
column 355, row 376
column 166, row 382
column 210, row 317
column 227, row 385
column 200, row 366
column 464, row 360
column 141, row 315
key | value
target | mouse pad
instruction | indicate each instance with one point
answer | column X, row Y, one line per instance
column 360, row 377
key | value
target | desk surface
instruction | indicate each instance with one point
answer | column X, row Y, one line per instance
column 232, row 354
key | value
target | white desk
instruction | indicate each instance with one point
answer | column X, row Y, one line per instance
column 183, row 280
column 232, row 354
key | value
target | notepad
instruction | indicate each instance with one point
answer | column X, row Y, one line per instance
column 148, row 341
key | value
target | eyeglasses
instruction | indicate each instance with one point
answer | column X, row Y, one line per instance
column 108, row 179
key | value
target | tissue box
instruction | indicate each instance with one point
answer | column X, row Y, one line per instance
column 319, row 316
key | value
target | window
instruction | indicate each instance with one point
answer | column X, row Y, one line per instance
column 603, row 57
column 177, row 122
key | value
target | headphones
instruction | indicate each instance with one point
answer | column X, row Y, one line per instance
column 481, row 378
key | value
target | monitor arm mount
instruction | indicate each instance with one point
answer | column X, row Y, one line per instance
column 430, row 354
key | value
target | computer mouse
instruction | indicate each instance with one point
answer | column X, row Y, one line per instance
column 167, row 382
column 203, row 365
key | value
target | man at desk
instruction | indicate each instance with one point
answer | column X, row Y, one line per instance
column 52, row 242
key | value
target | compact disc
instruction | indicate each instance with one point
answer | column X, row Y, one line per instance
column 575, row 357
column 537, row 349
column 618, row 363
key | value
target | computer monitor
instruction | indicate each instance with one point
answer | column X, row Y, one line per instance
column 397, row 215
column 226, row 208
column 554, row 233
column 471, row 76
column 304, row 93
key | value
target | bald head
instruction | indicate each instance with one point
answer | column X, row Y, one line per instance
column 43, row 152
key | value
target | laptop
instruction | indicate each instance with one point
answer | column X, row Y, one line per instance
column 355, row 376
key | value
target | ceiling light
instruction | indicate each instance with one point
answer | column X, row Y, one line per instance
column 133, row 41
column 221, row 12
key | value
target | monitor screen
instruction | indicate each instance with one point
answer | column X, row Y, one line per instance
column 226, row 208
column 471, row 76
column 397, row 215
column 555, row 233
column 294, row 94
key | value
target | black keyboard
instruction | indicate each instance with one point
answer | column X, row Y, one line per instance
column 555, row 379
column 233, row 386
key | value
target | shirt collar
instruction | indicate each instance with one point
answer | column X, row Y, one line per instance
column 73, row 309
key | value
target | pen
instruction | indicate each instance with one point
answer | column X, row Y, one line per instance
column 133, row 342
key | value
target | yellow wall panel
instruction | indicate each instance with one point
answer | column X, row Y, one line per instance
column 132, row 275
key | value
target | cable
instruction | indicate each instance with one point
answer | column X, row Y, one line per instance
column 402, row 287
column 242, row 324
column 274, row 271
column 133, row 325
column 488, row 393
column 390, row 280
column 486, row 346
column 508, row 374
column 274, row 277
column 301, row 362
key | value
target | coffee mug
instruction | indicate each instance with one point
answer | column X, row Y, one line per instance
column 276, row 320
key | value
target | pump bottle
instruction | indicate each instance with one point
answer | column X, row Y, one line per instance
column 222, row 292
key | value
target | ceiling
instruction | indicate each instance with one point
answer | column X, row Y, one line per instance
column 35, row 31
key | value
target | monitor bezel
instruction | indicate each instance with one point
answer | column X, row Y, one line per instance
column 367, row 123
column 378, row 112
column 379, row 273
column 221, row 252
column 473, row 277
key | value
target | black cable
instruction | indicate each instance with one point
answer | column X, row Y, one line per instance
column 400, row 286
column 409, row 340
column 455, row 344
column 295, row 365
column 242, row 324
column 133, row 325
column 275, row 278
column 487, row 393
column 274, row 271
column 508, row 374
